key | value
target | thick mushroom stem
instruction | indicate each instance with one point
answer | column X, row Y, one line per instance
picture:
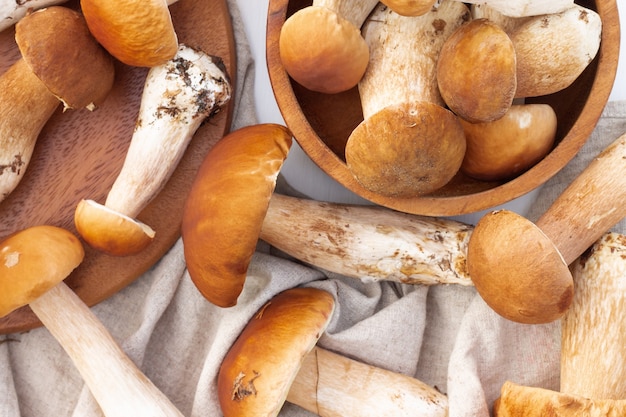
column 329, row 384
column 12, row 12
column 177, row 98
column 369, row 242
column 26, row 106
column 119, row 387
column 408, row 144
column 354, row 11
column 525, row 7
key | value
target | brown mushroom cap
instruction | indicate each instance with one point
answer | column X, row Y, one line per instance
column 506, row 147
column 322, row 51
column 257, row 372
column 520, row 401
column 34, row 260
column 476, row 71
column 517, row 269
column 138, row 33
column 58, row 47
column 226, row 206
column 407, row 149
column 109, row 231
column 410, row 7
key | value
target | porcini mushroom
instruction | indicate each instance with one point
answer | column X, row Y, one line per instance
column 60, row 62
column 177, row 97
column 504, row 148
column 593, row 381
column 408, row 144
column 33, row 264
column 12, row 12
column 138, row 33
column 521, row 269
column 523, row 8
column 476, row 71
column 410, row 7
column 321, row 46
column 274, row 359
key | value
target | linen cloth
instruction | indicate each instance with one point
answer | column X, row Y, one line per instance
column 445, row 336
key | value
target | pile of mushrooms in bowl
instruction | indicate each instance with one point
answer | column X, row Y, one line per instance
column 448, row 109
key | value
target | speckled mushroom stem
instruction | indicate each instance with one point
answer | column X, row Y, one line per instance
column 12, row 11
column 116, row 383
column 354, row 11
column 329, row 384
column 177, row 97
column 369, row 242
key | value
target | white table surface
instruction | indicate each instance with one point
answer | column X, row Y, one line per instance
column 299, row 170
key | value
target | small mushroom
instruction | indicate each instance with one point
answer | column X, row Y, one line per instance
column 593, row 378
column 553, row 50
column 504, row 148
column 275, row 358
column 12, row 12
column 521, row 269
column 33, row 264
column 476, row 71
column 138, row 33
column 177, row 97
column 321, row 46
column 408, row 144
column 60, row 61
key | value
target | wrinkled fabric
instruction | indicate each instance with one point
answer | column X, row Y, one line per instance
column 445, row 336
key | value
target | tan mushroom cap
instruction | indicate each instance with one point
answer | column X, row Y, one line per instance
column 109, row 231
column 406, row 150
column 226, row 206
column 410, row 7
column 322, row 51
column 257, row 372
column 506, row 147
column 517, row 269
column 34, row 260
column 476, row 71
column 58, row 47
column 138, row 33
column 520, row 401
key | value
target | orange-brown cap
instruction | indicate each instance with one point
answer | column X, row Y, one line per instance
column 34, row 260
column 138, row 33
column 58, row 47
column 257, row 372
column 111, row 232
column 226, row 206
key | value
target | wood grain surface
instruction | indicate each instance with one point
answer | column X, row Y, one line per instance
column 79, row 154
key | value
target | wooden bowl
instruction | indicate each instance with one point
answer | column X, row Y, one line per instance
column 322, row 123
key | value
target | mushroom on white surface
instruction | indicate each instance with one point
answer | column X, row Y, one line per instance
column 177, row 98
column 12, row 12
column 60, row 62
column 33, row 264
column 408, row 144
column 593, row 376
column 275, row 359
column 321, row 46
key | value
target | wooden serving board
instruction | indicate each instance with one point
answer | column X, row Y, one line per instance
column 79, row 154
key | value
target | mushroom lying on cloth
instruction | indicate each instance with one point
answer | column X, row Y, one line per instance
column 593, row 377
column 274, row 359
column 60, row 62
column 33, row 264
column 177, row 98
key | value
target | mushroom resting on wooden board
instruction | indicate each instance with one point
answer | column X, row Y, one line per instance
column 275, row 359
column 33, row 264
column 521, row 269
column 80, row 153
column 593, row 332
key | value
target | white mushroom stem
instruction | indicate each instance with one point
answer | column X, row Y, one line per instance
column 12, row 11
column 354, row 11
column 593, row 359
column 177, row 97
column 520, row 8
column 329, row 384
column 116, row 383
column 369, row 242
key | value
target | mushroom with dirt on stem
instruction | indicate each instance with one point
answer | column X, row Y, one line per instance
column 532, row 282
column 593, row 381
column 177, row 98
column 408, row 144
column 275, row 359
column 60, row 62
column 321, row 46
column 33, row 264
